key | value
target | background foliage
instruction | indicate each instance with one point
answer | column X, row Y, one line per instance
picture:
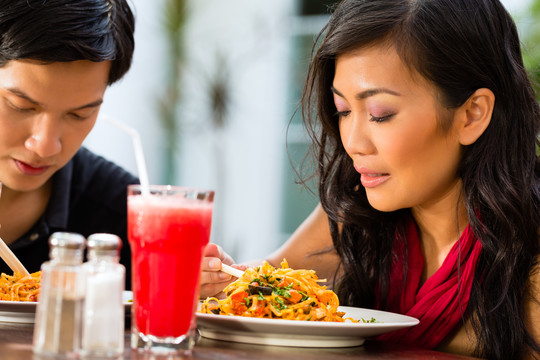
column 531, row 44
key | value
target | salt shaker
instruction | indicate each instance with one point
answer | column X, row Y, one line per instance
column 103, row 320
column 59, row 311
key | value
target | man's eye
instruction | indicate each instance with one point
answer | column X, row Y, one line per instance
column 18, row 108
column 81, row 117
column 76, row 116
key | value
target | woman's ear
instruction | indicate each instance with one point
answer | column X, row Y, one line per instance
column 473, row 117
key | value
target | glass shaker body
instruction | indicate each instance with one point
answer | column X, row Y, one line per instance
column 103, row 319
column 59, row 311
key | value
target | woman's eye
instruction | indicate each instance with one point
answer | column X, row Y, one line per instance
column 380, row 119
column 341, row 114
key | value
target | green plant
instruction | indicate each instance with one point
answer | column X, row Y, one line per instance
column 531, row 48
column 531, row 44
column 176, row 13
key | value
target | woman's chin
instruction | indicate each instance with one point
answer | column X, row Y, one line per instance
column 384, row 205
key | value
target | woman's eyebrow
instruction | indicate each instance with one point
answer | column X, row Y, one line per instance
column 369, row 92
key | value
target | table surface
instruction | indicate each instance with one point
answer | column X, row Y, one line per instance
column 16, row 344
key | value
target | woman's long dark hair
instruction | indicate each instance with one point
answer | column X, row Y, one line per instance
column 460, row 46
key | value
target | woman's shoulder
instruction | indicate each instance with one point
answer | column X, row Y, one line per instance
column 462, row 341
column 310, row 247
column 532, row 302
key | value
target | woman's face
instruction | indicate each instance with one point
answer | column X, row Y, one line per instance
column 389, row 126
column 46, row 112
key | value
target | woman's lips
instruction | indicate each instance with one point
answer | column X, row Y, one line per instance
column 28, row 169
column 371, row 178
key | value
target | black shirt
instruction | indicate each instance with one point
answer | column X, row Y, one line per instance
column 89, row 195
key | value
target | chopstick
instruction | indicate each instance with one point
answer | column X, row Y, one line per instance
column 9, row 257
column 231, row 271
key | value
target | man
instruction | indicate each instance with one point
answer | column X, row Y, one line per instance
column 57, row 58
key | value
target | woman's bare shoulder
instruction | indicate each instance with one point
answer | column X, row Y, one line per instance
column 462, row 341
column 532, row 303
column 310, row 247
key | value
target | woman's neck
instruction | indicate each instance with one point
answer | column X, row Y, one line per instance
column 440, row 225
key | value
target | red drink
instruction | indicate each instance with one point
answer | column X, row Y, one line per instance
column 167, row 234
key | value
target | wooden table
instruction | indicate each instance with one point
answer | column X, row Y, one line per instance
column 16, row 344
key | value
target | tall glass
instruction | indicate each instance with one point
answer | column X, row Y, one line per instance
column 167, row 231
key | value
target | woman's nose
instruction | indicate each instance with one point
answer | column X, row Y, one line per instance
column 355, row 136
column 45, row 138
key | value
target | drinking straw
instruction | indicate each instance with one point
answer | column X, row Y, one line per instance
column 139, row 155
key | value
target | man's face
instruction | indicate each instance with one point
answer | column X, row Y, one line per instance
column 46, row 112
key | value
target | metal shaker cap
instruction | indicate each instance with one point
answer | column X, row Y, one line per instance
column 104, row 242
column 67, row 240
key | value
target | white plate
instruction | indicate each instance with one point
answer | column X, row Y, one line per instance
column 302, row 333
column 24, row 311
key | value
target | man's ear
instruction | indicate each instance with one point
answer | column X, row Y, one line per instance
column 473, row 117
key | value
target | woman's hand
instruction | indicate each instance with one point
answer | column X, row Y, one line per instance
column 213, row 281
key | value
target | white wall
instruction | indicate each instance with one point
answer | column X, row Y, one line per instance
column 132, row 99
column 515, row 6
column 243, row 162
column 253, row 36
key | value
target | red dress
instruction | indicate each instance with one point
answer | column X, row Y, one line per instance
column 442, row 300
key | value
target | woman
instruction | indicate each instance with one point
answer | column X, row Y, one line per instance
column 425, row 126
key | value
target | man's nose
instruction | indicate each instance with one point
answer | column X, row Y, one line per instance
column 45, row 138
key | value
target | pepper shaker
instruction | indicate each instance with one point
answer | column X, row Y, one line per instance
column 59, row 310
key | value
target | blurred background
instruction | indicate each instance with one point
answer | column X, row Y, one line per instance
column 213, row 91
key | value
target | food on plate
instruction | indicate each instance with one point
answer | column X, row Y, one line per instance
column 268, row 292
column 20, row 287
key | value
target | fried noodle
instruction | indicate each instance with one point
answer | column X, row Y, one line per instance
column 19, row 287
column 267, row 292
